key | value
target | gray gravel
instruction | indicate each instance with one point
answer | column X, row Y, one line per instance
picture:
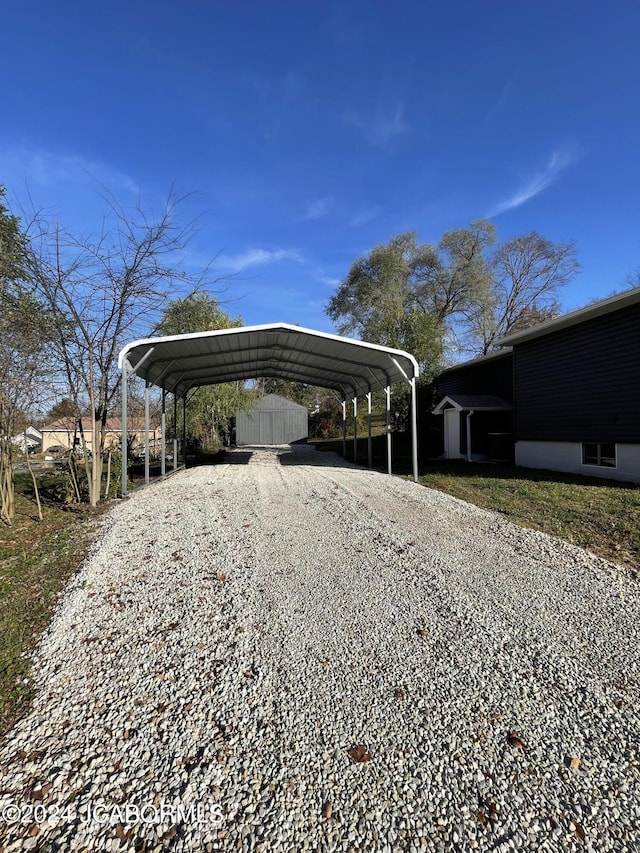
column 241, row 633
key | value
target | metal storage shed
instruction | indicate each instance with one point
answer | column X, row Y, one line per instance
column 272, row 420
column 180, row 363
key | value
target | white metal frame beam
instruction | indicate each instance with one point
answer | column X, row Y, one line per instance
column 180, row 363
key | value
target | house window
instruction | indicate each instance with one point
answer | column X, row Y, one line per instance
column 598, row 453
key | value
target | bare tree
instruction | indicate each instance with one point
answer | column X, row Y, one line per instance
column 101, row 292
column 528, row 273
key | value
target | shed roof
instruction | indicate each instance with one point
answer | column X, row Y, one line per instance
column 275, row 402
column 277, row 350
column 473, row 402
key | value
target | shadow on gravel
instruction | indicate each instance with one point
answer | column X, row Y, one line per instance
column 324, row 460
column 237, row 457
column 310, row 457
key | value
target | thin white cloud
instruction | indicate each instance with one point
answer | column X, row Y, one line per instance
column 504, row 98
column 385, row 125
column 48, row 168
column 361, row 217
column 317, row 209
column 559, row 161
column 257, row 257
column 330, row 281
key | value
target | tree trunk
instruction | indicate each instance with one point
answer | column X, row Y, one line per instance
column 74, row 478
column 35, row 487
column 7, row 499
column 96, row 462
column 106, row 488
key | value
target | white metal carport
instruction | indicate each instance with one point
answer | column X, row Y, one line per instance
column 180, row 363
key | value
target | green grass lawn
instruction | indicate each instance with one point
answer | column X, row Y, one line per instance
column 36, row 560
column 597, row 514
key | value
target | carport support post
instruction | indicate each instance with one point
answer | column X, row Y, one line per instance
column 146, row 432
column 369, row 446
column 125, row 375
column 355, row 429
column 123, row 439
column 344, row 429
column 387, row 393
column 163, row 418
column 414, row 428
column 184, row 430
column 175, row 431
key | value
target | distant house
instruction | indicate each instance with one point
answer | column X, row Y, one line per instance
column 575, row 393
column 272, row 420
column 67, row 433
column 29, row 440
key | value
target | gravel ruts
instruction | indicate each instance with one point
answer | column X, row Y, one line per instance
column 328, row 658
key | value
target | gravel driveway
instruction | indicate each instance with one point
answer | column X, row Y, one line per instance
column 291, row 653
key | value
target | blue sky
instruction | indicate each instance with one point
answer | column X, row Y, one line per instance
column 308, row 132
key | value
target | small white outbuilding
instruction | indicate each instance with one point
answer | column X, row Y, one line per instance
column 272, row 420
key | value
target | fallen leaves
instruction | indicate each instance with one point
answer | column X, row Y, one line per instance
column 514, row 740
column 483, row 820
column 40, row 792
column 359, row 754
column 487, row 815
column 577, row 829
column 124, row 836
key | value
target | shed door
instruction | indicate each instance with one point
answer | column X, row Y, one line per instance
column 452, row 434
column 268, row 428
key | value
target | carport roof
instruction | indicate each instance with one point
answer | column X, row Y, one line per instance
column 179, row 363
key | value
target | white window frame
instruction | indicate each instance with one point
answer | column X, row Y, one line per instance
column 599, row 463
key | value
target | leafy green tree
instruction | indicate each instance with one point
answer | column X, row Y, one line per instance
column 24, row 334
column 403, row 293
column 13, row 250
column 198, row 312
column 455, row 274
column 211, row 410
column 463, row 292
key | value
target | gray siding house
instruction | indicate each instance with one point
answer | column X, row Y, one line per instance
column 576, row 390
column 272, row 420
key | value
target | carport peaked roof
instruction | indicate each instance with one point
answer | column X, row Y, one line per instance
column 276, row 350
